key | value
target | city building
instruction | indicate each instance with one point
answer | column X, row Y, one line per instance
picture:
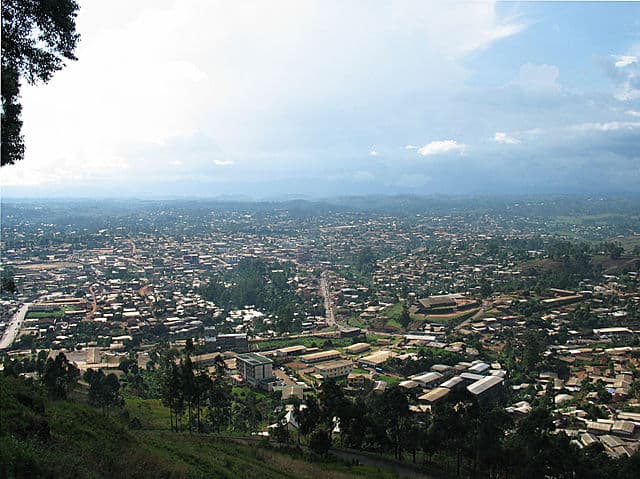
column 254, row 368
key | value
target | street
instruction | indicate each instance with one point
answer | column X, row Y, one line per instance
column 13, row 329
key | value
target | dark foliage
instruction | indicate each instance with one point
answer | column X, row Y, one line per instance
column 37, row 37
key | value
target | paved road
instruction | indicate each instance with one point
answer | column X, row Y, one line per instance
column 15, row 323
column 328, row 305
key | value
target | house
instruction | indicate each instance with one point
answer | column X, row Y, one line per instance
column 357, row 348
column 486, row 389
column 359, row 380
column 623, row 428
column 232, row 342
column 428, row 380
column 291, row 351
column 321, row 356
column 254, row 368
column 334, row 369
column 434, row 395
column 377, row 358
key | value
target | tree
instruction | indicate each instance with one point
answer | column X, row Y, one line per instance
column 396, row 412
column 404, row 319
column 171, row 387
column 320, row 440
column 37, row 37
column 309, row 417
column 104, row 391
column 280, row 433
column 8, row 284
column 534, row 346
column 218, row 403
column 59, row 376
column 202, row 385
column 485, row 288
column 332, row 399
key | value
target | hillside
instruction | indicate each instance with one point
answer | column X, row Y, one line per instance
column 42, row 438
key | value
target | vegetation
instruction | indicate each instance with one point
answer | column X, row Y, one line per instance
column 45, row 438
column 256, row 283
column 37, row 38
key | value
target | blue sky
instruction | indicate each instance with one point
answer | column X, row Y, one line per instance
column 202, row 98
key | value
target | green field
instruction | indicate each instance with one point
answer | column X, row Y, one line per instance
column 450, row 318
column 393, row 311
column 57, row 313
column 308, row 342
column 390, row 380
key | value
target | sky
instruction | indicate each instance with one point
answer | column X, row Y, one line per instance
column 301, row 98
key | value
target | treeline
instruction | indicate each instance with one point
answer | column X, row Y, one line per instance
column 59, row 378
column 426, row 357
column 461, row 436
column 204, row 401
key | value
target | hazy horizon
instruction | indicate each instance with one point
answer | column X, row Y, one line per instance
column 322, row 99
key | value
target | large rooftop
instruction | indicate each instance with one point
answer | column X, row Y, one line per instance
column 254, row 359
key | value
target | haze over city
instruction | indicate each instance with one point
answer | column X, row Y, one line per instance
column 324, row 98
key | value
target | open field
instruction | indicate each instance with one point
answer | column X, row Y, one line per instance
column 445, row 318
column 309, row 342
column 56, row 313
column 46, row 266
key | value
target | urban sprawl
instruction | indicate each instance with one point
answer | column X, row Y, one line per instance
column 505, row 308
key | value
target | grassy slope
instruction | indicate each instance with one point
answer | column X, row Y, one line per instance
column 40, row 438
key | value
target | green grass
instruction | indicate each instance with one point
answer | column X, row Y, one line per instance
column 356, row 322
column 41, row 438
column 58, row 313
column 453, row 318
column 151, row 413
column 392, row 323
column 393, row 312
column 242, row 391
column 390, row 380
column 307, row 342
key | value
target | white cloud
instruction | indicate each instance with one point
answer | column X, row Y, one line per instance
column 455, row 28
column 623, row 61
column 627, row 91
column 503, row 138
column 373, row 153
column 441, row 147
column 633, row 113
column 151, row 71
column 605, row 126
column 627, row 75
column 538, row 79
column 223, row 162
column 410, row 147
